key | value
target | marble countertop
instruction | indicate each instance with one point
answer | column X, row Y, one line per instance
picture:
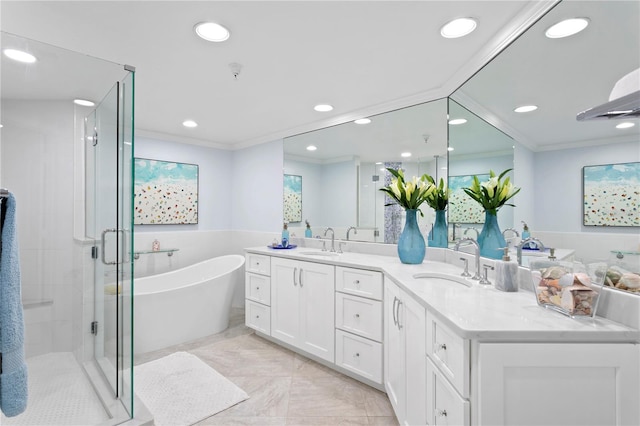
column 475, row 312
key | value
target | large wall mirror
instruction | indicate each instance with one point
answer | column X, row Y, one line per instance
column 562, row 77
column 341, row 177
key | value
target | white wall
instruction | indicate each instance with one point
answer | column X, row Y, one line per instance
column 214, row 181
column 256, row 182
column 558, row 185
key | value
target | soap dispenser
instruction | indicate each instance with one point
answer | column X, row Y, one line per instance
column 285, row 236
column 525, row 231
column 307, row 232
column 506, row 273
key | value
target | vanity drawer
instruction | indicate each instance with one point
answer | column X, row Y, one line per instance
column 258, row 263
column 450, row 353
column 444, row 404
column 257, row 316
column 359, row 316
column 258, row 288
column 360, row 355
column 359, row 282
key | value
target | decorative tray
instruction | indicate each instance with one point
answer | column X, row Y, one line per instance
column 279, row 247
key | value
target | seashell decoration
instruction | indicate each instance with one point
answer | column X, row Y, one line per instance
column 571, row 293
column 623, row 280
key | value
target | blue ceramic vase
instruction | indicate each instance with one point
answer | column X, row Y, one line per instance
column 411, row 246
column 491, row 240
column 439, row 235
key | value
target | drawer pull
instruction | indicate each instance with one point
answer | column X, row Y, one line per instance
column 357, row 283
column 257, row 288
column 442, row 413
column 257, row 316
column 357, row 354
column 257, row 263
column 357, row 315
column 442, row 346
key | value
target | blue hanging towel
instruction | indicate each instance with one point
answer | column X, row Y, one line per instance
column 13, row 369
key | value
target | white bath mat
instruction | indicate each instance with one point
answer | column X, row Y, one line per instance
column 180, row 389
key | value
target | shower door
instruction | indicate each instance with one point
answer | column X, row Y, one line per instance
column 109, row 142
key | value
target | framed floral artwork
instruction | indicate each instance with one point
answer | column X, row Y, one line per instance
column 292, row 198
column 611, row 194
column 165, row 192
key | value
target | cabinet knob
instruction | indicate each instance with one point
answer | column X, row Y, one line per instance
column 442, row 413
column 357, row 355
column 357, row 315
column 442, row 346
column 257, row 316
column 257, row 288
column 357, row 282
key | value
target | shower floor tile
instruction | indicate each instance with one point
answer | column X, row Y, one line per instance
column 59, row 394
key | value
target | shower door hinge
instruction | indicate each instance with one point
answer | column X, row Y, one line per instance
column 94, row 252
column 94, row 328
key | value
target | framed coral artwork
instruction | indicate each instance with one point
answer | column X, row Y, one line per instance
column 462, row 208
column 292, row 198
column 611, row 194
column 165, row 192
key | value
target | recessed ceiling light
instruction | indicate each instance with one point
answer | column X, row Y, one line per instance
column 458, row 28
column 312, row 148
column 211, row 31
column 450, row 148
column 83, row 102
column 189, row 123
column 362, row 121
column 20, row 56
column 457, row 121
column 526, row 108
column 625, row 125
column 567, row 28
column 405, row 154
column 379, row 162
column 323, row 107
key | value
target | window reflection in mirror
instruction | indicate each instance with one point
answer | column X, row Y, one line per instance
column 341, row 178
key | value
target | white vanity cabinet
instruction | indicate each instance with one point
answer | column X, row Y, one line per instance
column 405, row 351
column 302, row 305
column 359, row 322
column 258, row 292
column 557, row 384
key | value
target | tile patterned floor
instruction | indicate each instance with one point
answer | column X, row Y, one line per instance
column 284, row 388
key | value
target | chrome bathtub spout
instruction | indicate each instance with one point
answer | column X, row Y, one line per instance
column 476, row 247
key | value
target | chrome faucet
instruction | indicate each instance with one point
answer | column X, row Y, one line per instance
column 476, row 246
column 472, row 229
column 333, row 246
column 526, row 241
column 504, row 234
column 355, row 231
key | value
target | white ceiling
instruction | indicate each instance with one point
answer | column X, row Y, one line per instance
column 363, row 57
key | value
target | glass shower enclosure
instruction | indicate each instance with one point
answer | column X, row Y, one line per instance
column 70, row 170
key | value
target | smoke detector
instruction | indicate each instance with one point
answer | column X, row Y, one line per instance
column 235, row 69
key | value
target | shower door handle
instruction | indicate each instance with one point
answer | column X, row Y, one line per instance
column 103, row 243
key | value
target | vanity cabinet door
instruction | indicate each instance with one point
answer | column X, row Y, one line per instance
column 302, row 306
column 285, row 301
column 405, row 353
column 557, row 384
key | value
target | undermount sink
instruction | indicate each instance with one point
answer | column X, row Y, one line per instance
column 320, row 253
column 437, row 276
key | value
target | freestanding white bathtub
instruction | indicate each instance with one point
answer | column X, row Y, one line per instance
column 185, row 304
